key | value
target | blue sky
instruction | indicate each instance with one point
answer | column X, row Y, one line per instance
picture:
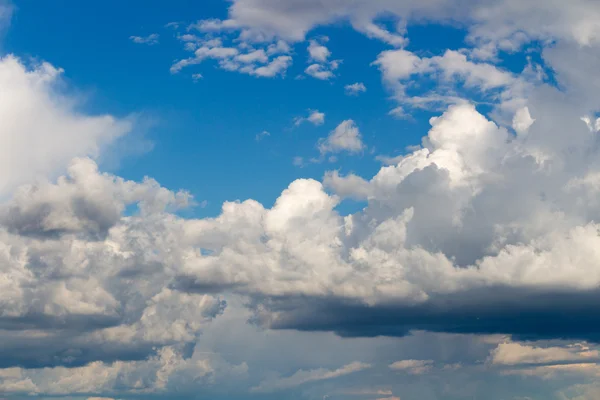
column 208, row 128
column 299, row 199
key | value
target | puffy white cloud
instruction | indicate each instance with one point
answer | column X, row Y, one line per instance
column 522, row 120
column 41, row 129
column 350, row 186
column 345, row 137
column 355, row 88
column 503, row 24
column 449, row 71
column 475, row 231
column 204, row 52
column 471, row 227
column 318, row 52
column 266, row 59
column 322, row 71
column 318, row 56
column 315, row 117
column 276, row 67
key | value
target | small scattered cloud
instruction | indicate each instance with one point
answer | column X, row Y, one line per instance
column 318, row 57
column 315, row 117
column 298, row 161
column 150, row 40
column 262, row 135
column 210, row 40
column 322, row 71
column 318, row 52
column 345, row 137
column 197, row 77
column 355, row 89
column 413, row 367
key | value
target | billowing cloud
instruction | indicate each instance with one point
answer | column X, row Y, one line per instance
column 41, row 129
column 421, row 256
column 488, row 227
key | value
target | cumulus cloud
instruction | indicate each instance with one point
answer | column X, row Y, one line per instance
column 42, row 129
column 494, row 23
column 345, row 137
column 265, row 59
column 421, row 255
column 315, row 117
column 477, row 230
column 318, row 52
column 322, row 71
column 355, row 89
column 450, row 71
column 71, row 265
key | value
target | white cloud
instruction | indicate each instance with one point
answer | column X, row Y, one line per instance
column 350, row 186
column 345, row 137
column 470, row 227
column 262, row 135
column 318, row 52
column 262, row 59
column 413, row 367
column 276, row 67
column 214, row 25
column 355, row 88
column 546, row 362
column 315, row 117
column 513, row 353
column 204, row 52
column 41, row 130
column 254, row 56
column 318, row 57
column 373, row 30
column 321, row 71
column 149, row 40
column 522, row 120
column 451, row 70
column 303, row 376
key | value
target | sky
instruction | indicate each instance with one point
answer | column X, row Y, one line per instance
column 300, row 199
